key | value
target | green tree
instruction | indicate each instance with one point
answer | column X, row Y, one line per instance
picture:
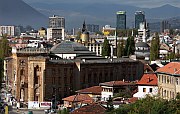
column 149, row 105
column 110, row 106
column 64, row 111
column 130, row 46
column 4, row 48
column 4, row 52
column 120, row 48
column 154, row 50
column 171, row 56
column 106, row 48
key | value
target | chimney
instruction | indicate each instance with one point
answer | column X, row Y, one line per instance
column 148, row 79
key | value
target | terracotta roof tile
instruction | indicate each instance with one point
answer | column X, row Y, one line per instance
column 79, row 98
column 171, row 68
column 90, row 109
column 91, row 90
column 148, row 79
column 117, row 83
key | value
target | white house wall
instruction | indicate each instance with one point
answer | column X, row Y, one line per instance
column 141, row 94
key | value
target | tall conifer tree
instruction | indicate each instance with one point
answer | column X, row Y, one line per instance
column 106, row 48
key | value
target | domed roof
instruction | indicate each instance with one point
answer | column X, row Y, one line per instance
column 141, row 44
column 69, row 47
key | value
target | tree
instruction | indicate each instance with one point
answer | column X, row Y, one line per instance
column 150, row 105
column 4, row 47
column 64, row 111
column 106, row 48
column 130, row 46
column 154, row 50
column 171, row 56
column 120, row 49
column 110, row 104
column 4, row 52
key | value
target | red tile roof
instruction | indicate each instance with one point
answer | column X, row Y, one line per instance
column 133, row 99
column 148, row 79
column 79, row 98
column 90, row 109
column 91, row 90
column 117, row 83
column 170, row 68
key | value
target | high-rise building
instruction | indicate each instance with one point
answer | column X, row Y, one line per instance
column 56, row 22
column 143, row 32
column 139, row 18
column 56, row 28
column 10, row 30
column 121, row 20
column 92, row 28
column 164, row 25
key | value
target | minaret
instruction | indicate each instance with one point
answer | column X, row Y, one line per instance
column 84, row 34
column 84, row 27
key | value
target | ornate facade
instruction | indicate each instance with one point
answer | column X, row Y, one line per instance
column 37, row 76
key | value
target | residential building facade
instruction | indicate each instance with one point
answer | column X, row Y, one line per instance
column 9, row 30
column 169, row 80
column 56, row 28
column 147, row 86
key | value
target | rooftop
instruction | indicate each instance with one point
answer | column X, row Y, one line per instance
column 94, row 108
column 30, row 50
column 91, row 90
column 114, row 60
column 148, row 79
column 79, row 98
column 171, row 68
column 70, row 47
column 117, row 83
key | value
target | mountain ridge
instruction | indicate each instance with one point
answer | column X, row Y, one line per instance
column 17, row 12
column 104, row 13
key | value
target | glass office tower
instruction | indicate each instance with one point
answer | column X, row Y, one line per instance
column 121, row 20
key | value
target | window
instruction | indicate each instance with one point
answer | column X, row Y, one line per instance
column 22, row 72
column 150, row 90
column 144, row 89
column 177, row 81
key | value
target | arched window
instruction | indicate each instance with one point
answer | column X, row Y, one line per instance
column 22, row 72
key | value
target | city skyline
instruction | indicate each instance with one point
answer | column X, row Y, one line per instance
column 137, row 3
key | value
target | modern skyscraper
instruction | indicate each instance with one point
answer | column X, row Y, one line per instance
column 121, row 20
column 56, row 22
column 139, row 18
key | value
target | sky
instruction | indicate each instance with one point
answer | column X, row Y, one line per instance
column 139, row 3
